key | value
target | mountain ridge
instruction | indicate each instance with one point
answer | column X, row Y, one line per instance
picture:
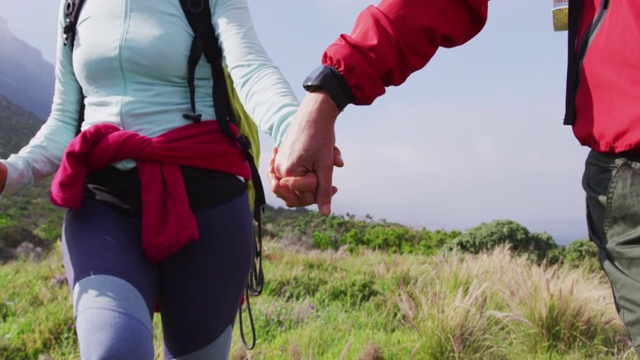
column 25, row 77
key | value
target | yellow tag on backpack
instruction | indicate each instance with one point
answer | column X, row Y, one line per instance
column 560, row 15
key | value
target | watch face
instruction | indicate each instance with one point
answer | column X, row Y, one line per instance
column 312, row 79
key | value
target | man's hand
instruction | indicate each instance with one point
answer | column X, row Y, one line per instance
column 301, row 168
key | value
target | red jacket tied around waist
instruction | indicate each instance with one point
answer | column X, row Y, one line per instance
column 167, row 220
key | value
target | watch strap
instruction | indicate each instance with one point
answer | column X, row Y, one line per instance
column 329, row 79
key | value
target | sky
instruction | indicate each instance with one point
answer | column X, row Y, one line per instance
column 474, row 136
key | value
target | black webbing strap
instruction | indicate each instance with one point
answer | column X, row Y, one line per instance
column 577, row 52
column 71, row 14
column 205, row 42
column 198, row 14
column 194, row 57
column 575, row 8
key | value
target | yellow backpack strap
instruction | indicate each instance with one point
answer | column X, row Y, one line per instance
column 249, row 130
column 246, row 127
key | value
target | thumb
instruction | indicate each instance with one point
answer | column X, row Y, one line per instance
column 337, row 157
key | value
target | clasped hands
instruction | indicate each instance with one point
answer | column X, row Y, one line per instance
column 301, row 167
column 302, row 182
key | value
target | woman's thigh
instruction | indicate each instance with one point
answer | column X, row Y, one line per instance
column 202, row 283
column 115, row 287
column 100, row 241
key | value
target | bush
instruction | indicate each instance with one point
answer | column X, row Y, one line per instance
column 582, row 253
column 432, row 241
column 336, row 231
column 12, row 233
column 488, row 236
column 324, row 241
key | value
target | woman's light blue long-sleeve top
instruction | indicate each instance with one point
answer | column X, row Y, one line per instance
column 130, row 63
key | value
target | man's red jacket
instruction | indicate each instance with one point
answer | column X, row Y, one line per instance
column 398, row 37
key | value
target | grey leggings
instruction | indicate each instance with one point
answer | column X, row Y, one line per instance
column 116, row 288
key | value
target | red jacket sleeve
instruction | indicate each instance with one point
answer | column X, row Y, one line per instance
column 399, row 37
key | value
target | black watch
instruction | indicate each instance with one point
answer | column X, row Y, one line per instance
column 329, row 79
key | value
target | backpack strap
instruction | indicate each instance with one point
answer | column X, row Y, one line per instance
column 205, row 42
column 577, row 50
column 71, row 14
column 198, row 14
column 575, row 8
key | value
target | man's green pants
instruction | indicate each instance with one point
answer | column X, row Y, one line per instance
column 612, row 185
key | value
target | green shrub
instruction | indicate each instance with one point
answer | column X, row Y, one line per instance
column 390, row 237
column 297, row 287
column 582, row 253
column 431, row 242
column 12, row 233
column 490, row 235
column 324, row 241
column 353, row 292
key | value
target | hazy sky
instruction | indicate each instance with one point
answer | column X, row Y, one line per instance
column 476, row 135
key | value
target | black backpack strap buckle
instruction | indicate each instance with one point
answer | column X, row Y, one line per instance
column 196, row 118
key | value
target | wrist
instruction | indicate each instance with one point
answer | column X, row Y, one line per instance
column 328, row 79
column 320, row 107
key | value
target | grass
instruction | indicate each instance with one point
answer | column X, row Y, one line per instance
column 369, row 305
